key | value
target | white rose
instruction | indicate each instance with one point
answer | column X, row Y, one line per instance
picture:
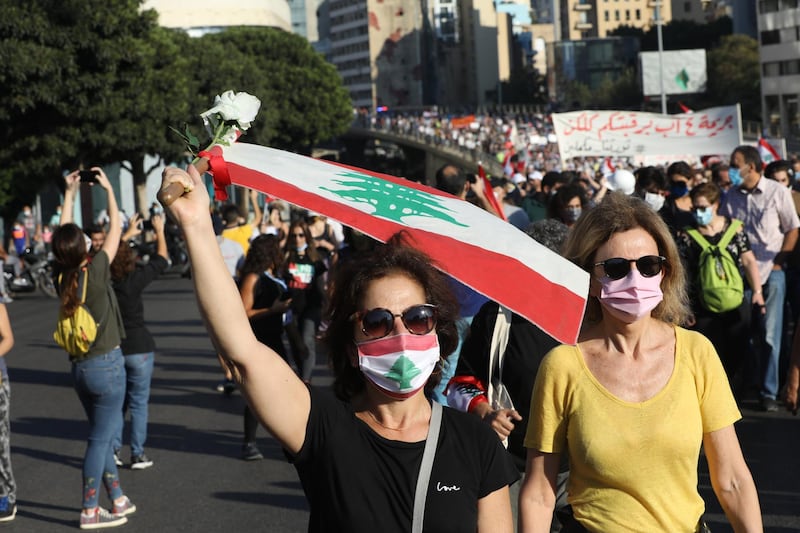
column 241, row 107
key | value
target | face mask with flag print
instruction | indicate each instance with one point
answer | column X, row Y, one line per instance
column 399, row 365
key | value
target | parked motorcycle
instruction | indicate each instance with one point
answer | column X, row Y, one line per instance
column 37, row 272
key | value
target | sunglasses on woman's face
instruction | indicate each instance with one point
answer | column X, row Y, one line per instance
column 647, row 265
column 379, row 322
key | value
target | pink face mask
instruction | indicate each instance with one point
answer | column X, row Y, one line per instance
column 632, row 297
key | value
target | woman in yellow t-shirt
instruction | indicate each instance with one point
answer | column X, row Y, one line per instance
column 633, row 401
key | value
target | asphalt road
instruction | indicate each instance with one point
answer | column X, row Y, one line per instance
column 199, row 483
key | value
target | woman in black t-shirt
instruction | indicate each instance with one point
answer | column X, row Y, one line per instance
column 358, row 449
column 304, row 272
column 266, row 300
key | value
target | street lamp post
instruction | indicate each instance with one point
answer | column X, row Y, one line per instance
column 657, row 14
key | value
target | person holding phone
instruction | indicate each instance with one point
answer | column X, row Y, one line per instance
column 99, row 375
column 129, row 280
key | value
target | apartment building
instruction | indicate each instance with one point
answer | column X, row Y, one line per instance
column 779, row 37
column 582, row 19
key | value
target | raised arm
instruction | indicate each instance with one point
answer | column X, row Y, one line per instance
column 72, row 181
column 731, row 480
column 111, row 244
column 273, row 391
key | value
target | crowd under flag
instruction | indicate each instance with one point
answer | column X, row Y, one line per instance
column 474, row 246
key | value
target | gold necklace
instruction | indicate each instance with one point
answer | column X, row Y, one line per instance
column 384, row 425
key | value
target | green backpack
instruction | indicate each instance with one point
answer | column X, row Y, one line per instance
column 719, row 281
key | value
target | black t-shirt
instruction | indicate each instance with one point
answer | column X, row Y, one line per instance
column 305, row 286
column 129, row 295
column 268, row 329
column 357, row 481
column 527, row 346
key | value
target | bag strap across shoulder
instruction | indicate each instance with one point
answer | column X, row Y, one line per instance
column 727, row 237
column 426, row 467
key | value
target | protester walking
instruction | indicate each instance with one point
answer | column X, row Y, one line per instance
column 359, row 450
column 265, row 297
column 716, row 252
column 771, row 224
column 138, row 347
column 305, row 274
column 660, row 387
column 98, row 374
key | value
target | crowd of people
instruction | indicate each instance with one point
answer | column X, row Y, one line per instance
column 665, row 356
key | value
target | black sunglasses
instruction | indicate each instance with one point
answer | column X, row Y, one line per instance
column 379, row 322
column 647, row 265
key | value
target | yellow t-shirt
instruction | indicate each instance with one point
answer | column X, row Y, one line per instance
column 633, row 466
column 240, row 234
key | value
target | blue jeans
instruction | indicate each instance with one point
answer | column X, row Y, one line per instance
column 100, row 384
column 775, row 294
column 138, row 373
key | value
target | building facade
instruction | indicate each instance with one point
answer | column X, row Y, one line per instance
column 779, row 37
column 198, row 17
column 583, row 19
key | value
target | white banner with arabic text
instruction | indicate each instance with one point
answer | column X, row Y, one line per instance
column 716, row 130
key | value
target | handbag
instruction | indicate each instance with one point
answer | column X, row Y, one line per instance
column 497, row 394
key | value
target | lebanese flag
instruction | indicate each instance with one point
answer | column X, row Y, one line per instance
column 468, row 243
column 767, row 152
column 488, row 191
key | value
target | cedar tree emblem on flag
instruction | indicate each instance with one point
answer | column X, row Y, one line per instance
column 390, row 200
column 682, row 79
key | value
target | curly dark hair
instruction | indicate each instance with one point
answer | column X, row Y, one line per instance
column 349, row 286
column 264, row 254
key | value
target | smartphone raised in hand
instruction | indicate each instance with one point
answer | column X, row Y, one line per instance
column 88, row 176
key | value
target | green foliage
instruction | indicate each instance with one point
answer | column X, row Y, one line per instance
column 734, row 75
column 303, row 99
column 680, row 34
column 91, row 82
column 524, row 87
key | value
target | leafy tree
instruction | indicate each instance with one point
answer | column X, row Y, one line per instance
column 303, row 99
column 680, row 34
column 83, row 82
column 525, row 86
column 734, row 75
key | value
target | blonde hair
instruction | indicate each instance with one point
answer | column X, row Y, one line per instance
column 617, row 213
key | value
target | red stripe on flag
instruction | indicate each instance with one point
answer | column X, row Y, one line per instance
column 549, row 305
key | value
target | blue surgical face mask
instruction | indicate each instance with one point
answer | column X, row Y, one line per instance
column 735, row 177
column 703, row 216
column 678, row 189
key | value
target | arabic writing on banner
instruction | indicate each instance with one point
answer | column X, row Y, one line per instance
column 629, row 133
